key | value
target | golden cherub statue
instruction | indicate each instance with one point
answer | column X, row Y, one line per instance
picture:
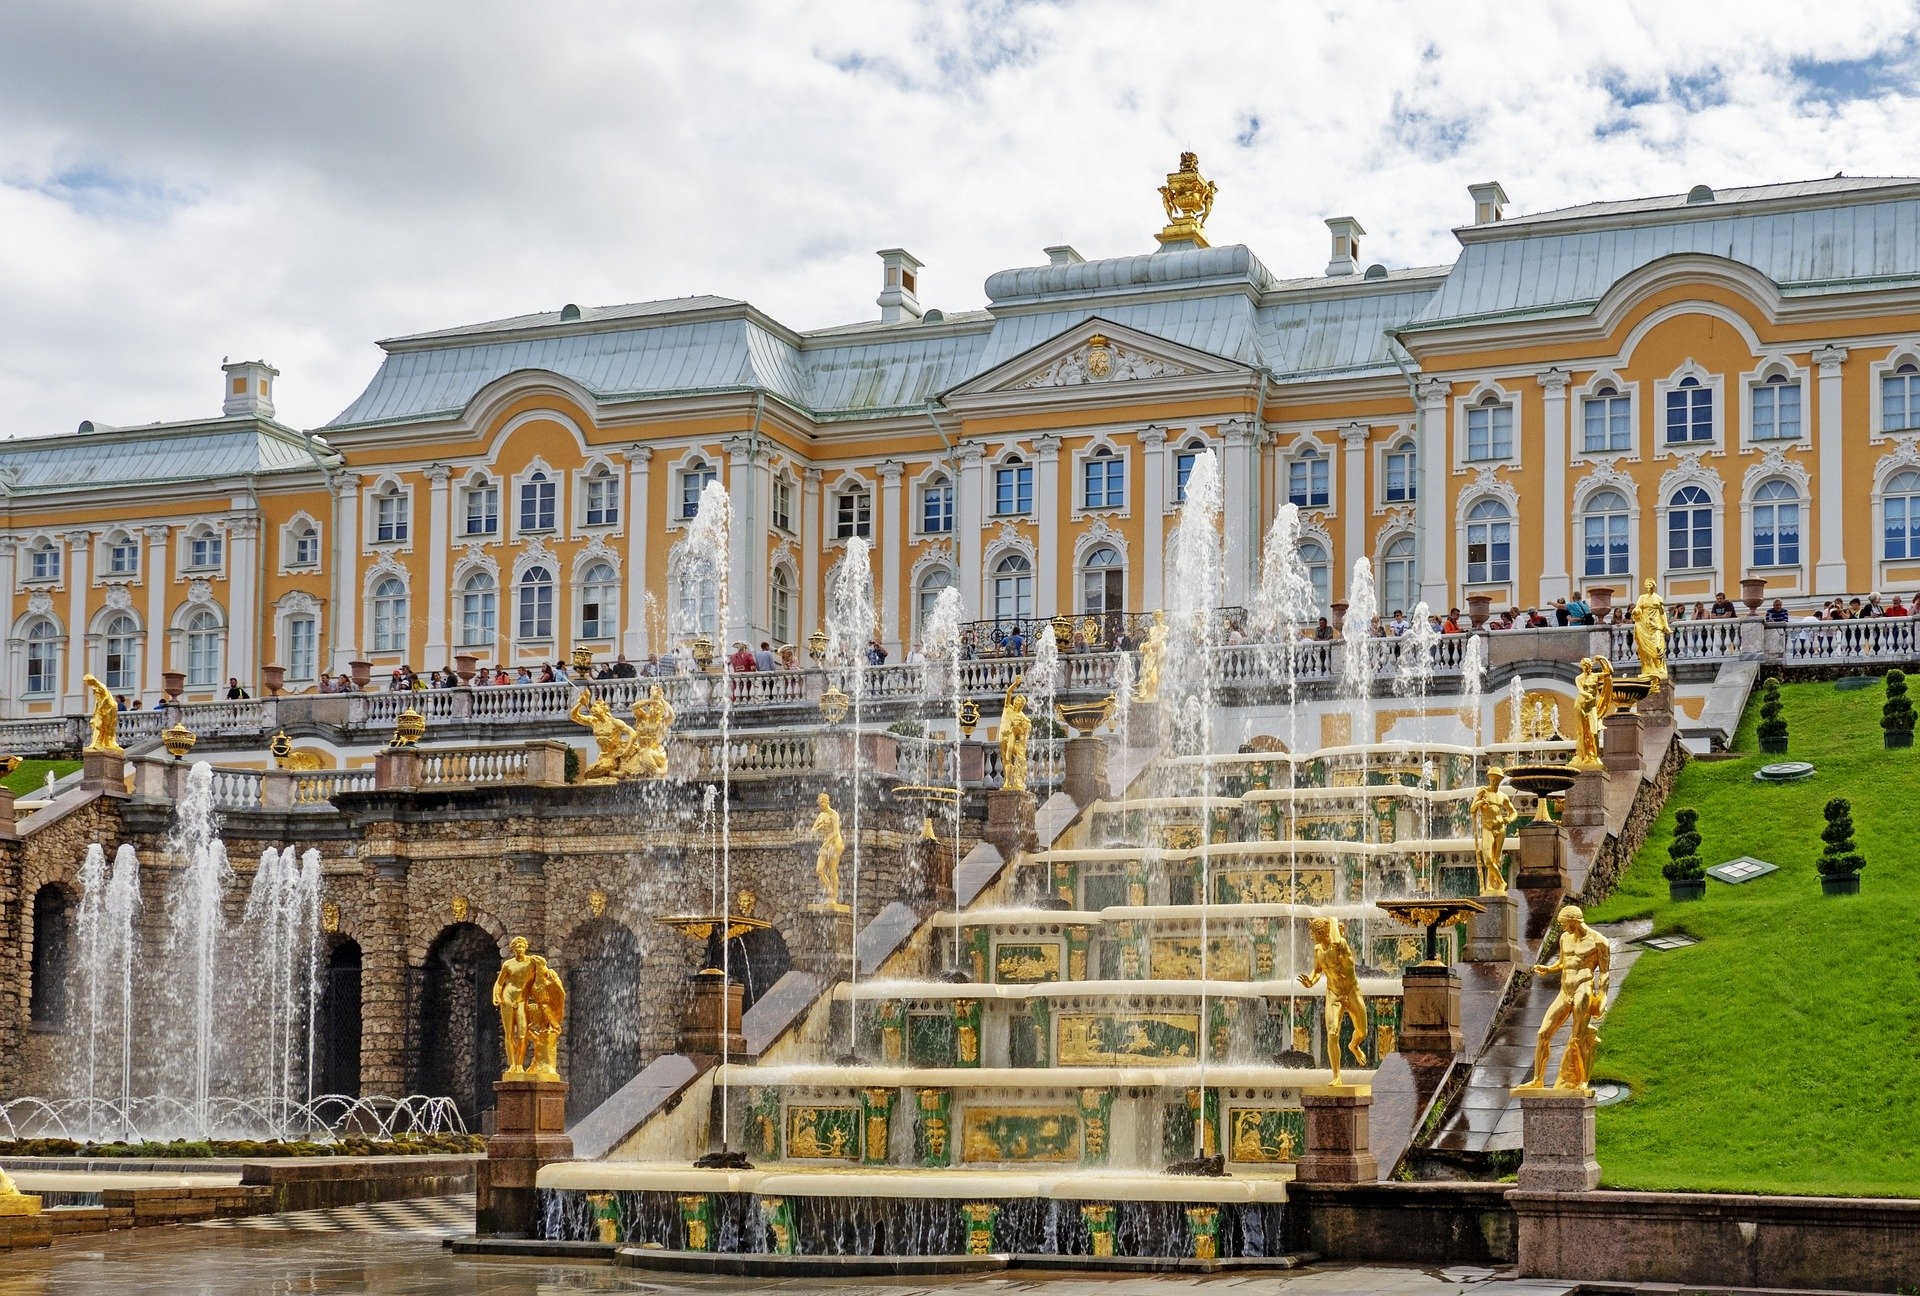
column 826, row 863
column 1592, row 704
column 611, row 734
column 1650, row 630
column 647, row 752
column 1493, row 813
column 1188, row 198
column 1333, row 959
column 1584, row 961
column 105, row 724
column 1153, row 655
column 1016, row 727
column 533, row 1006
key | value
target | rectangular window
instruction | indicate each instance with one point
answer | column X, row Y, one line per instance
column 1183, row 469
column 1900, row 399
column 1489, row 552
column 693, row 481
column 536, row 610
column 1490, row 432
column 306, row 549
column 783, row 503
column 477, row 617
column 203, row 551
column 1402, row 468
column 852, row 515
column 1609, row 424
column 936, row 508
column 45, row 563
column 1604, row 544
column 1104, row 481
column 203, row 658
column 603, row 501
column 1689, row 413
column 120, row 662
column 123, row 558
column 302, row 659
column 536, row 504
column 1689, row 538
column 390, row 518
column 1013, row 490
column 1307, row 482
column 483, row 510
column 43, row 667
column 1776, row 411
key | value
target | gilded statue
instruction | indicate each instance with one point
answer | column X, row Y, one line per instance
column 1188, row 198
column 546, row 1007
column 105, row 724
column 1493, row 813
column 1333, row 959
column 611, row 734
column 532, row 1005
column 1650, row 630
column 1585, row 964
column 1153, row 655
column 826, row 863
column 8, row 764
column 647, row 752
column 1016, row 727
column 1592, row 704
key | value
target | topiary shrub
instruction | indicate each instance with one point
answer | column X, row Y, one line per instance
column 1840, row 858
column 1683, row 853
column 1772, row 730
column 572, row 765
column 1896, row 713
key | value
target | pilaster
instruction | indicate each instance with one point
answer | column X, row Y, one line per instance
column 1353, row 493
column 346, row 547
column 1430, row 509
column 1153, row 507
column 79, row 549
column 1046, row 499
column 1830, row 570
column 439, row 560
column 1555, row 582
column 633, row 639
column 967, row 504
column 810, row 619
column 153, row 572
column 244, row 633
column 892, row 541
column 746, row 545
column 9, row 705
column 1238, row 499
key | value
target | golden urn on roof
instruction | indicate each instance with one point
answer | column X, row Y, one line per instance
column 1188, row 198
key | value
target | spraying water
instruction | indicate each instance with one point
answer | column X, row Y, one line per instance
column 942, row 634
column 93, row 887
column 122, row 904
column 198, row 928
column 1414, row 677
column 1043, row 686
column 1358, row 650
column 1473, row 682
column 1283, row 604
column 1516, row 703
column 850, row 625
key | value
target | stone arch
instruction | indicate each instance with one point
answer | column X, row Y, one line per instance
column 600, row 960
column 458, row 1036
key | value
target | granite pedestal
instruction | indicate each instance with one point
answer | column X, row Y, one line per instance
column 713, row 1014
column 530, row 1123
column 1338, row 1135
column 1086, row 770
column 1543, row 857
column 1430, row 1011
column 103, row 771
column 1493, row 935
column 1620, row 748
column 1010, row 822
column 1587, row 800
column 1556, row 1137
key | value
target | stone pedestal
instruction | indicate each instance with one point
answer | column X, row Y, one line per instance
column 1430, row 1011
column 103, row 771
column 1620, row 747
column 820, row 939
column 1010, row 822
column 1086, row 780
column 1543, row 857
column 530, row 1125
column 1338, row 1137
column 712, row 1013
column 973, row 762
column 1556, row 1136
column 1587, row 800
column 930, row 869
column 1494, row 936
column 8, row 831
column 1656, row 708
column 1143, row 724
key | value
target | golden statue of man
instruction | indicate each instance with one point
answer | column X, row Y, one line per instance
column 1592, row 704
column 1016, row 728
column 1650, row 630
column 826, row 863
column 510, row 997
column 1585, row 964
column 1493, row 813
column 647, row 751
column 105, row 724
column 610, row 733
column 1333, row 959
column 546, row 1009
column 1153, row 655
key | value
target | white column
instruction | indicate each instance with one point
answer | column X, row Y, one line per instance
column 1153, row 521
column 1046, row 500
column 153, row 572
column 1556, row 506
column 439, row 562
column 1830, row 574
column 9, row 699
column 1353, row 492
column 810, row 576
column 244, row 631
column 346, row 552
column 79, row 546
column 1241, row 526
column 968, row 521
column 1430, row 509
column 745, row 539
column 634, row 614
column 893, row 539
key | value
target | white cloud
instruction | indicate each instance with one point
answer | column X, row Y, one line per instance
column 227, row 177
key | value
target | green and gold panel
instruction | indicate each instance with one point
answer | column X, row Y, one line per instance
column 930, row 1039
column 1177, row 958
column 1113, row 1039
column 1019, row 1134
column 1383, row 1019
column 1340, row 826
column 763, row 1124
column 823, row 1133
column 1312, row 885
column 1265, row 1135
column 1026, row 964
column 1395, row 951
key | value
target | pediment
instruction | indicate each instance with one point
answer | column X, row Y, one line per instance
column 1094, row 353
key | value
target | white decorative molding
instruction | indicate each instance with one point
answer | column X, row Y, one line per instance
column 119, row 599
column 596, row 549
column 1487, row 484
column 40, row 603
column 1095, row 535
column 1905, row 454
column 1774, row 463
column 297, row 603
column 535, row 552
column 1101, row 359
column 1603, row 476
column 200, row 592
column 1689, row 469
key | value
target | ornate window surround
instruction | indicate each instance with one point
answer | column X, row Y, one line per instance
column 1577, row 397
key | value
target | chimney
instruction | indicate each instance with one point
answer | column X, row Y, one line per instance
column 1063, row 254
column 1489, row 202
column 1346, row 245
column 249, row 392
column 899, row 291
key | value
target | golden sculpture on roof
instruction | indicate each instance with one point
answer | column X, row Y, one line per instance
column 1188, row 198
column 105, row 724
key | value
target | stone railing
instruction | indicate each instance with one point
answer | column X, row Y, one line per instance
column 156, row 778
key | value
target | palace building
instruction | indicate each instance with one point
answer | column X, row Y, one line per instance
column 1701, row 389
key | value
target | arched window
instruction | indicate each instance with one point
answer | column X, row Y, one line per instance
column 1776, row 409
column 1399, row 587
column 1900, row 515
column 694, row 478
column 1689, row 412
column 927, row 593
column 123, row 555
column 43, row 657
column 483, row 508
column 52, row 955
column 1307, row 479
column 780, row 606
column 698, row 601
column 1103, row 582
column 303, row 545
column 479, row 609
column 599, row 602
column 303, row 648
column 1013, row 588
column 43, row 562
column 120, row 653
column 537, row 494
column 1608, row 419
column 1776, row 525
column 389, row 516
column 1900, row 399
column 1013, row 488
column 1689, row 529
column 1403, row 471
column 1605, row 537
column 603, row 498
column 1489, row 543
column 390, row 615
column 203, row 650
column 1313, row 556
column 1183, row 461
column 936, row 506
column 1490, row 429
column 1103, row 479
column 535, row 604
column 853, row 513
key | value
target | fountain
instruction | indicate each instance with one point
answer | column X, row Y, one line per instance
column 851, row 620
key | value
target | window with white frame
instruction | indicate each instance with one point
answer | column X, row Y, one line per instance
column 483, row 509
column 303, row 545
column 1776, row 409
column 1402, row 473
column 599, row 606
column 603, row 499
column 936, row 506
column 783, row 502
column 120, row 653
column 1103, row 480
column 1313, row 556
column 780, row 606
column 1776, row 524
column 1183, row 461
column 1013, row 489
column 1900, row 516
column 1490, row 430
column 43, row 658
column 1607, row 421
column 203, row 650
column 534, row 604
column 390, row 516
column 698, row 604
column 927, row 594
column 1605, row 535
column 1307, row 480
column 123, row 555
column 1489, row 543
column 694, row 478
column 853, row 514
column 538, row 494
column 43, row 562
column 1900, row 398
column 1689, row 529
column 203, row 550
column 303, row 655
column 479, row 609
column 390, row 615
column 1103, row 582
column 1689, row 412
column 1013, row 588
column 1399, row 585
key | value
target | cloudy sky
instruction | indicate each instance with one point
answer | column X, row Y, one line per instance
column 193, row 179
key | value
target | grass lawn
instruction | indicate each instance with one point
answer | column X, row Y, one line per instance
column 32, row 775
column 1782, row 1053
